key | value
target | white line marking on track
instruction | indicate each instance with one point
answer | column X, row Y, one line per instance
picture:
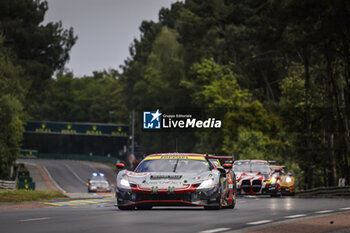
column 75, row 174
column 33, row 219
column 53, row 181
column 215, row 230
column 345, row 208
column 296, row 216
column 323, row 211
column 259, row 222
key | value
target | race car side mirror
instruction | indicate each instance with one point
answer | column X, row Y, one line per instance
column 227, row 166
column 222, row 172
column 120, row 165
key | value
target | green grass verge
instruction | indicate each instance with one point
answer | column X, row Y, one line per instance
column 28, row 195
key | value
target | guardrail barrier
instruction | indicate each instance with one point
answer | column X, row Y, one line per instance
column 325, row 191
column 7, row 184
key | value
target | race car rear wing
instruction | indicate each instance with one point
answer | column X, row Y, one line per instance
column 232, row 158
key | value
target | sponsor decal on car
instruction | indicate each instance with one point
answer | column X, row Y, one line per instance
column 175, row 157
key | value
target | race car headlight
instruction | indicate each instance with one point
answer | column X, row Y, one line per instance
column 125, row 183
column 206, row 184
column 288, row 179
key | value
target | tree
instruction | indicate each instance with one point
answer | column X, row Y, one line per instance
column 278, row 70
column 39, row 49
column 96, row 98
column 12, row 93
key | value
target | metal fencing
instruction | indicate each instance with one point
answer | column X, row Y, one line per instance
column 7, row 184
column 325, row 192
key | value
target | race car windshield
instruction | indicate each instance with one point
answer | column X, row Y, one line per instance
column 237, row 168
column 172, row 165
column 242, row 168
column 98, row 178
column 98, row 182
column 263, row 168
column 252, row 167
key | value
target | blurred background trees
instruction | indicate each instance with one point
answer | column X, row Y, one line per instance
column 29, row 55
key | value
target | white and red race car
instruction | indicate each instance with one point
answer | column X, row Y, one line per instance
column 256, row 177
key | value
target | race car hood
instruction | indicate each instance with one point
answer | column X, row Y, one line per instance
column 166, row 179
column 251, row 176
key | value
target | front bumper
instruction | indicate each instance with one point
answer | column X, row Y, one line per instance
column 271, row 189
column 288, row 190
column 95, row 190
column 204, row 197
column 258, row 189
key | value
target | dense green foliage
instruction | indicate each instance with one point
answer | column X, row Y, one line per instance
column 12, row 93
column 30, row 53
column 87, row 99
column 278, row 71
column 38, row 49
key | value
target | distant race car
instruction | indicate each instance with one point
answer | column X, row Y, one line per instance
column 98, row 183
column 176, row 180
column 256, row 177
column 287, row 180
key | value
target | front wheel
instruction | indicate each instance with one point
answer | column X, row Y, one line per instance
column 218, row 202
column 232, row 206
column 234, row 199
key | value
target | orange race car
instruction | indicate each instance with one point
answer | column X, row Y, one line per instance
column 287, row 180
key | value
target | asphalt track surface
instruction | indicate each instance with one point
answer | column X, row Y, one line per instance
column 69, row 175
column 102, row 216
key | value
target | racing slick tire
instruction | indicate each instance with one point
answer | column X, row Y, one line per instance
column 126, row 207
column 232, row 206
column 218, row 205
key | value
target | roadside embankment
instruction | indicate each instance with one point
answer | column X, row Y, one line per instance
column 29, row 195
